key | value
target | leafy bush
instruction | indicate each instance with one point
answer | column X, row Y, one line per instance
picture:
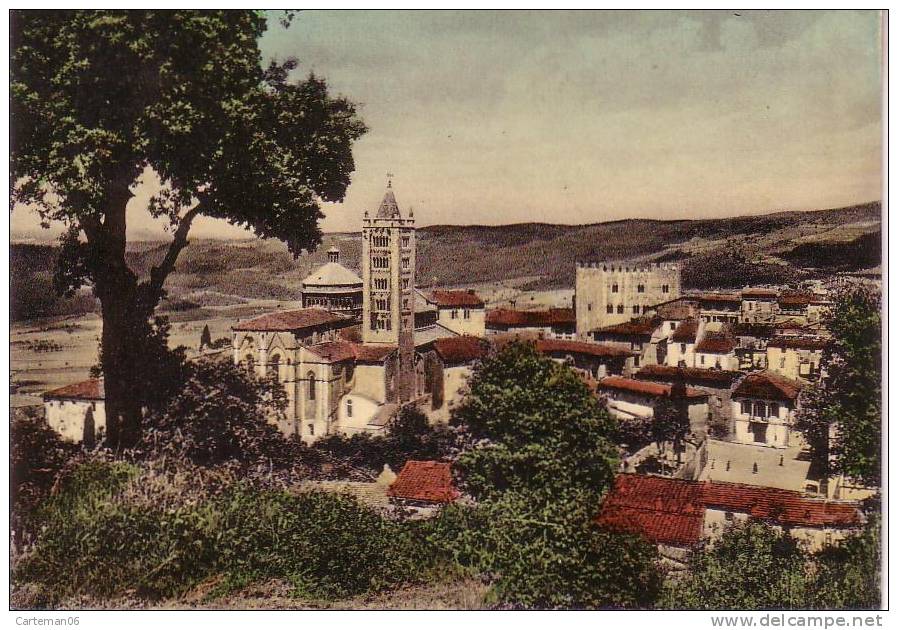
column 37, row 456
column 848, row 576
column 409, row 436
column 103, row 535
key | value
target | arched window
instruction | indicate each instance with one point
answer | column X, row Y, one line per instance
column 276, row 364
column 311, row 378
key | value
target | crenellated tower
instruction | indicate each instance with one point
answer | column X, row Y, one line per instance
column 388, row 275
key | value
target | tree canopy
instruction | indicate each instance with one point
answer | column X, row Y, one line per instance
column 102, row 99
column 841, row 418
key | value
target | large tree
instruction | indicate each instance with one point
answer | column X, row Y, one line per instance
column 100, row 99
column 841, row 417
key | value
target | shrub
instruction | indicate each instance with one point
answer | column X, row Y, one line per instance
column 104, row 535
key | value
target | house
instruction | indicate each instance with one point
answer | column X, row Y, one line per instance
column 462, row 312
column 805, row 307
column 681, row 347
column 423, row 486
column 751, row 344
column 631, row 398
column 717, row 384
column 77, row 412
column 557, row 323
column 759, row 305
column 796, row 357
column 644, row 336
column 764, row 406
column 720, row 307
column 596, row 360
column 677, row 515
column 458, row 356
column 716, row 350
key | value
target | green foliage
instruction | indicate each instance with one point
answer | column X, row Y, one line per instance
column 538, row 465
column 848, row 576
column 219, row 413
column 112, row 530
column 850, row 396
column 37, row 456
column 537, row 428
column 409, row 436
column 548, row 556
column 751, row 567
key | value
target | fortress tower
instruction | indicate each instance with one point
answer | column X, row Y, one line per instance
column 388, row 276
column 609, row 293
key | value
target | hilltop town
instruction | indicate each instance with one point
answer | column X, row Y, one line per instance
column 366, row 345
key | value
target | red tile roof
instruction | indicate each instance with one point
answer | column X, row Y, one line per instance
column 643, row 326
column 716, row 343
column 747, row 329
column 91, row 389
column 551, row 346
column 511, row 317
column 669, row 373
column 336, row 351
column 768, row 386
column 721, row 298
column 293, row 320
column 647, row 388
column 455, row 298
column 460, row 349
column 785, row 507
column 802, row 299
column 665, row 511
column 685, row 332
column 671, row 511
column 802, row 343
column 753, row 294
column 428, row 481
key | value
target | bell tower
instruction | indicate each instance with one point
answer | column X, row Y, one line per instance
column 388, row 274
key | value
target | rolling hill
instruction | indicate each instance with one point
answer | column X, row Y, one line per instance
column 715, row 253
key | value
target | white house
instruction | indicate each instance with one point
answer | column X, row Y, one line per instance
column 764, row 406
column 77, row 412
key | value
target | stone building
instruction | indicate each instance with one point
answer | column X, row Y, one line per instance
column 340, row 379
column 764, row 407
column 462, row 312
column 556, row 323
column 796, row 357
column 609, row 293
column 77, row 412
column 388, row 274
column 333, row 287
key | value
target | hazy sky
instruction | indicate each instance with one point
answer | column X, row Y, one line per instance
column 592, row 116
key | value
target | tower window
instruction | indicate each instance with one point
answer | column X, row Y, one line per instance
column 614, row 288
column 640, row 288
column 405, row 283
column 406, row 262
column 311, row 377
column 665, row 288
column 609, row 308
column 405, row 241
column 620, row 309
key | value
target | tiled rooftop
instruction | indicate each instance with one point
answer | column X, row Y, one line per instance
column 91, row 389
column 426, row 481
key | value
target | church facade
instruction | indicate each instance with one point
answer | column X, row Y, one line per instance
column 349, row 372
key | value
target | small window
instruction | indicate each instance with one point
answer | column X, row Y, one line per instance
column 311, row 377
column 349, row 408
column 782, row 362
column 454, row 314
column 635, row 361
column 640, row 288
column 745, row 407
column 760, row 410
column 467, row 313
column 614, row 288
column 311, row 429
column 682, row 348
column 636, row 309
column 620, row 309
column 773, row 410
column 609, row 308
column 665, row 288
column 728, row 516
column 702, row 359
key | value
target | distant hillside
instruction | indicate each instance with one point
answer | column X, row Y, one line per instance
column 773, row 248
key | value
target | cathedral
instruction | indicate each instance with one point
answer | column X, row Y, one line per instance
column 360, row 348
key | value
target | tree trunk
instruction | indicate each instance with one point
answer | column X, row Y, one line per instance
column 123, row 324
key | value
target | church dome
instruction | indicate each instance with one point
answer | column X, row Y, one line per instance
column 332, row 274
